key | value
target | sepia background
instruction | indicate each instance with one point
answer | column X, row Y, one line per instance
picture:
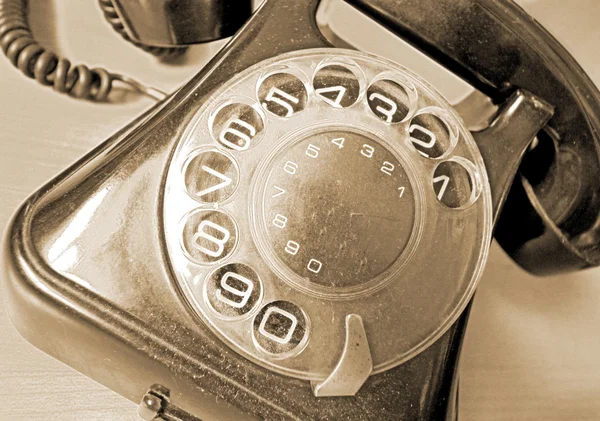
column 532, row 350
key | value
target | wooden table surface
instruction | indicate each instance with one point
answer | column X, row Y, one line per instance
column 532, row 350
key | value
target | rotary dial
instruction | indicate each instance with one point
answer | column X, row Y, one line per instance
column 326, row 210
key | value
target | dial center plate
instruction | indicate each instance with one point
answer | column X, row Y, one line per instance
column 339, row 208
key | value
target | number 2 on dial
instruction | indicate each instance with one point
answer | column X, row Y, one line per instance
column 387, row 168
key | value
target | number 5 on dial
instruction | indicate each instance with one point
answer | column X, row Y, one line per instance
column 312, row 151
column 275, row 95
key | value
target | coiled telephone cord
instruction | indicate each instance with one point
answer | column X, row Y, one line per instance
column 49, row 69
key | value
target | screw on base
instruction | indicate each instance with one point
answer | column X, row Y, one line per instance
column 156, row 405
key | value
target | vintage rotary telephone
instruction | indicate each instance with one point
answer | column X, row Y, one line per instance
column 297, row 232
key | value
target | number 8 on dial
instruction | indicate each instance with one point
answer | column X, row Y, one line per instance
column 209, row 236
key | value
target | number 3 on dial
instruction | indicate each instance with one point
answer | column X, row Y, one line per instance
column 367, row 150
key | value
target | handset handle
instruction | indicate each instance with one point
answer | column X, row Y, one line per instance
column 171, row 23
column 550, row 222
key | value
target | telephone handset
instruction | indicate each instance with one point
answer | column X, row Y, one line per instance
column 297, row 233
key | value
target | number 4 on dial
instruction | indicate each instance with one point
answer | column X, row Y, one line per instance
column 339, row 142
column 338, row 98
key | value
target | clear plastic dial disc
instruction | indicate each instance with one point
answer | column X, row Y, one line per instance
column 325, row 192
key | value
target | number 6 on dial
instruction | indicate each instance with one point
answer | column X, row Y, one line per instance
column 290, row 167
column 243, row 139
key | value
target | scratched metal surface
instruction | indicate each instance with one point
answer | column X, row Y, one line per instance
column 532, row 346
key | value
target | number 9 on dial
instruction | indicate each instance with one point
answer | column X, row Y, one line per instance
column 233, row 291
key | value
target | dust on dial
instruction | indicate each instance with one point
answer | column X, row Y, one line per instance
column 324, row 196
column 338, row 208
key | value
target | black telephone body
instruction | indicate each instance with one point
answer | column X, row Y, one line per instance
column 297, row 233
